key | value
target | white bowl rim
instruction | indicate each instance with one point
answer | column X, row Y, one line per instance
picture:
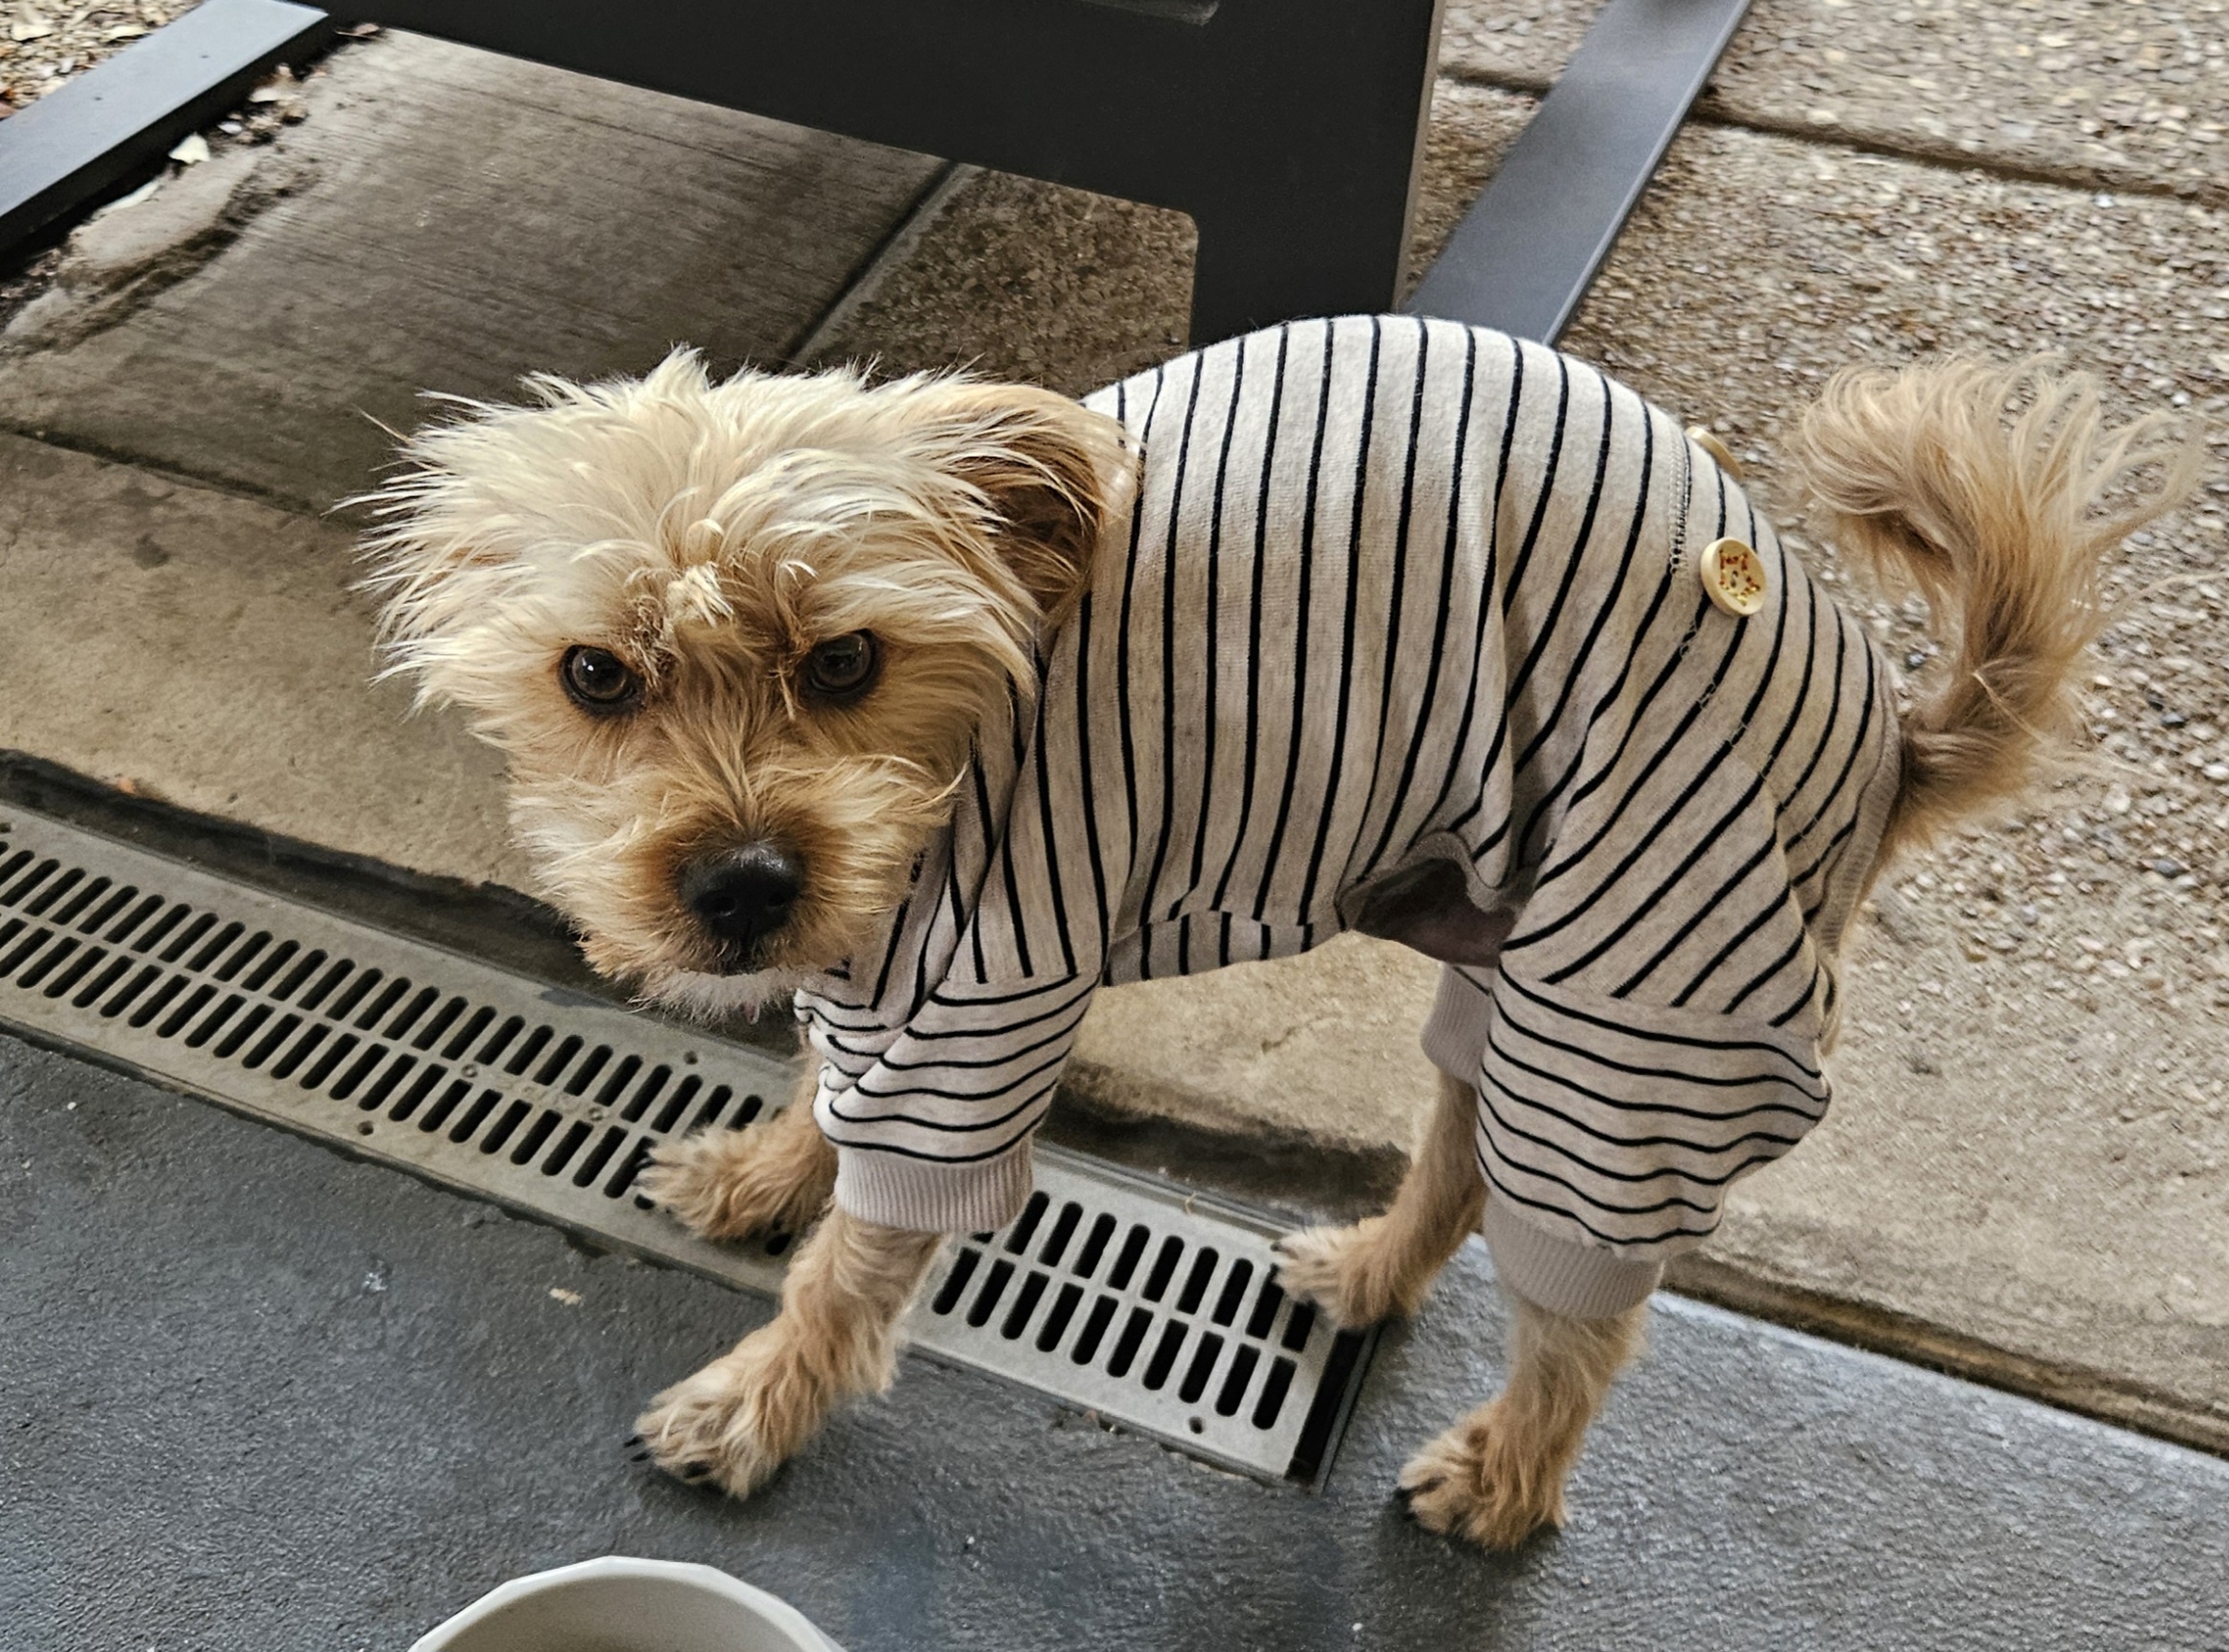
column 785, row 1617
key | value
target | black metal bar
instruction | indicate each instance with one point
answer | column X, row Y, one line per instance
column 1524, row 255
column 1289, row 129
column 82, row 138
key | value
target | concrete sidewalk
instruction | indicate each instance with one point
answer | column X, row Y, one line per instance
column 2027, row 1174
column 254, row 1395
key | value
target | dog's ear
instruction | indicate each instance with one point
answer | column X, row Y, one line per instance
column 1053, row 471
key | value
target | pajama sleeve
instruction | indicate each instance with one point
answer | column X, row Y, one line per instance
column 932, row 1120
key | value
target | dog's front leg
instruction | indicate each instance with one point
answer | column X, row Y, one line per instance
column 1497, row 1476
column 737, row 1420
column 728, row 1183
column 1384, row 1264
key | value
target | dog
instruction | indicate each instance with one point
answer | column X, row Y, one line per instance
column 929, row 706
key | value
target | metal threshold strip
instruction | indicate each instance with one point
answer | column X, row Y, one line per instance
column 1156, row 1310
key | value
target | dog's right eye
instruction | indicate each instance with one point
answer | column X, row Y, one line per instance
column 598, row 680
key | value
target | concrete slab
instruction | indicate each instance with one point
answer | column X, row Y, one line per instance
column 2132, row 96
column 204, row 648
column 252, row 1394
column 445, row 219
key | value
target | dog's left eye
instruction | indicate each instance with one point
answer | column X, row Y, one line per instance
column 843, row 666
column 598, row 680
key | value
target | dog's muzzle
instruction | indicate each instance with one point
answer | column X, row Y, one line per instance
column 740, row 897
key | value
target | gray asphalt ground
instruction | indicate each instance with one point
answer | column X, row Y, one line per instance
column 255, row 1397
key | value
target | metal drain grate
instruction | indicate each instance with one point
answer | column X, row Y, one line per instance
column 1111, row 1292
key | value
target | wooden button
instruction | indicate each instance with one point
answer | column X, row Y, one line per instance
column 1706, row 438
column 1733, row 576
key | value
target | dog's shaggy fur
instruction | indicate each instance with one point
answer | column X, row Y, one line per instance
column 711, row 537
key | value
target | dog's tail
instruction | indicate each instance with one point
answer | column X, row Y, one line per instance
column 1998, row 492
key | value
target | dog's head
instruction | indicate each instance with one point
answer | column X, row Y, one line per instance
column 736, row 638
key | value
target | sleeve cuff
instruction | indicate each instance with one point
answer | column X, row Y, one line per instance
column 931, row 1195
column 1563, row 1276
column 1454, row 1034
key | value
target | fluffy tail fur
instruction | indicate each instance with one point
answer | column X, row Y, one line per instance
column 1998, row 492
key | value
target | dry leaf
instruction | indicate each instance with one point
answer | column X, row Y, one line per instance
column 29, row 29
column 132, row 200
column 570, row 1299
column 191, row 151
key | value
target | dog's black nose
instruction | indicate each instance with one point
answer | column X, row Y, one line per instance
column 743, row 896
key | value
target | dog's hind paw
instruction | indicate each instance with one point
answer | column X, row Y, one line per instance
column 731, row 1184
column 1481, row 1481
column 732, row 1423
column 1356, row 1275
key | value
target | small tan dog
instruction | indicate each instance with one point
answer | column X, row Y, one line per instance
column 930, row 705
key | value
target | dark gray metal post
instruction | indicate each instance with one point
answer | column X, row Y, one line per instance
column 1524, row 254
column 1289, row 129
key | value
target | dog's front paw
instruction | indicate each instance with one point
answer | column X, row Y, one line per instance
column 737, row 1420
column 1483, row 1481
column 732, row 1184
column 1355, row 1276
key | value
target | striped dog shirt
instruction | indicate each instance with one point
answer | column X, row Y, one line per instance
column 1402, row 632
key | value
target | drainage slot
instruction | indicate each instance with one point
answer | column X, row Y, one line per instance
column 432, row 1118
column 1025, row 1224
column 37, row 973
column 1234, row 1394
column 1064, row 1309
column 1126, row 1264
column 1203, row 1366
column 1026, row 1301
column 494, row 1139
column 536, row 1134
column 956, row 1282
column 980, row 1315
column 528, row 1051
column 418, row 1093
column 1095, row 1246
column 1272, row 1404
column 475, row 1115
column 1103, row 1313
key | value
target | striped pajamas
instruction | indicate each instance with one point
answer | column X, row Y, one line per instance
column 1400, row 634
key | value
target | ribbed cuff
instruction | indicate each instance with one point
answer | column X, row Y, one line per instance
column 930, row 1196
column 1564, row 1277
column 1454, row 1035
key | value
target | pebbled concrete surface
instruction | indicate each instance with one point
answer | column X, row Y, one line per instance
column 2133, row 95
column 253, row 1394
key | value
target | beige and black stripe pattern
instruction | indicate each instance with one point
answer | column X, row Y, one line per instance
column 1394, row 592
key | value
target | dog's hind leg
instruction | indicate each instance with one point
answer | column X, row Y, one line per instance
column 1497, row 1476
column 730, row 1184
column 739, row 1418
column 1384, row 1264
